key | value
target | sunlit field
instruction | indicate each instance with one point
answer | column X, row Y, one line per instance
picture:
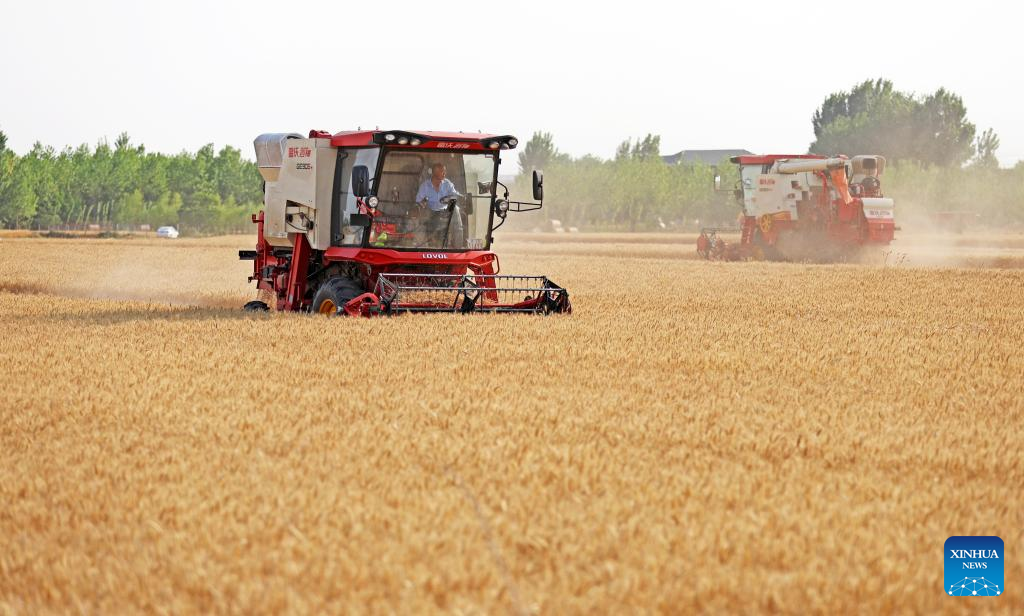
column 695, row 436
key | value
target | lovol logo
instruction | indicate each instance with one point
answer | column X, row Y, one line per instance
column 434, row 255
column 974, row 566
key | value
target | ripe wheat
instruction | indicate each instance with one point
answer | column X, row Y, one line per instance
column 717, row 437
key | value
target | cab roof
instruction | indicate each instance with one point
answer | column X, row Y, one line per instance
column 767, row 159
column 430, row 139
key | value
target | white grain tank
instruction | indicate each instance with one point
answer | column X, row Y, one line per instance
column 299, row 174
column 270, row 152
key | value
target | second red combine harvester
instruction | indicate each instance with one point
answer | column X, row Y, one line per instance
column 385, row 222
column 805, row 207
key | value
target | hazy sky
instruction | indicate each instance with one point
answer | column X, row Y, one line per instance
column 176, row 75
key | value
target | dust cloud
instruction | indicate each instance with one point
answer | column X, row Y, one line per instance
column 203, row 274
column 926, row 241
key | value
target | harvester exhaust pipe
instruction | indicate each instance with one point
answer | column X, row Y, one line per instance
column 800, row 166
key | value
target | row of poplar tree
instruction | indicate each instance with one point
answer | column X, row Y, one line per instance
column 124, row 186
column 937, row 163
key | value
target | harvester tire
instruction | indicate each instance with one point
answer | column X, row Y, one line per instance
column 334, row 293
column 256, row 306
column 766, row 250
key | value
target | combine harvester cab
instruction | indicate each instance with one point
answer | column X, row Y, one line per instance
column 806, row 207
column 385, row 222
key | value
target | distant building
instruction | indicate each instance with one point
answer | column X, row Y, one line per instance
column 706, row 157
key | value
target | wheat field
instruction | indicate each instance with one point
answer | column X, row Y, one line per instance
column 695, row 437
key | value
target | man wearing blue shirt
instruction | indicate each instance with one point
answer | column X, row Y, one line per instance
column 435, row 188
column 444, row 227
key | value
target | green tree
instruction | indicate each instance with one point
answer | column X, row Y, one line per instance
column 201, row 211
column 44, row 171
column 152, row 180
column 985, row 147
column 7, row 162
column 17, row 197
column 129, row 208
column 875, row 118
column 539, row 152
column 122, row 143
column 235, row 177
column 632, row 192
column 625, row 150
column 945, row 137
column 647, row 148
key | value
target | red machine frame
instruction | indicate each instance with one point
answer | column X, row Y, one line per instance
column 840, row 221
column 472, row 275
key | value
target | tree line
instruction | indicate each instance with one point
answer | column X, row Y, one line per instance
column 938, row 162
column 124, row 185
column 931, row 129
column 634, row 191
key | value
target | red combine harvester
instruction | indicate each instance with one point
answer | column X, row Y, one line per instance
column 805, row 207
column 384, row 222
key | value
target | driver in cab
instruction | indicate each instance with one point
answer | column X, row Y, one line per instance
column 435, row 188
column 443, row 226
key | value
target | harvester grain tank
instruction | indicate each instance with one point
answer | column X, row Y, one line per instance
column 806, row 207
column 384, row 222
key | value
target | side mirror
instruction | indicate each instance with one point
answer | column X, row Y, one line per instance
column 483, row 188
column 538, row 185
column 360, row 181
column 718, row 178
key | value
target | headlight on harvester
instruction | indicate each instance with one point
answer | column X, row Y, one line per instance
column 501, row 208
column 398, row 137
column 503, row 142
column 372, row 202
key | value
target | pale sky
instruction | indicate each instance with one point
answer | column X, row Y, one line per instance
column 177, row 75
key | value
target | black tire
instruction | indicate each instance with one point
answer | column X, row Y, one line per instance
column 771, row 253
column 334, row 293
column 256, row 306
